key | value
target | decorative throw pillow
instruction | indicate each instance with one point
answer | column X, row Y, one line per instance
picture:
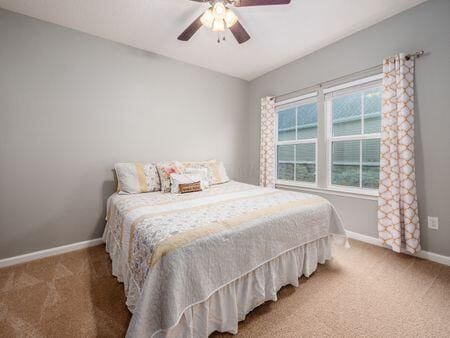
column 202, row 172
column 182, row 179
column 136, row 178
column 190, row 187
column 165, row 169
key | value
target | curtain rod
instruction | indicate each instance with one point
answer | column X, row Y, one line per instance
column 415, row 55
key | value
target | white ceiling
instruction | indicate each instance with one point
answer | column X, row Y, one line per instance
column 280, row 34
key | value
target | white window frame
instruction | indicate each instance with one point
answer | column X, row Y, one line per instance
column 330, row 94
column 281, row 106
column 325, row 139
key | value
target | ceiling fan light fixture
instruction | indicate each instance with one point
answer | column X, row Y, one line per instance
column 219, row 10
column 207, row 18
column 230, row 18
column 218, row 25
column 219, row 17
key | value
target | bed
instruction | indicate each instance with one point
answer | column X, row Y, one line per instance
column 196, row 263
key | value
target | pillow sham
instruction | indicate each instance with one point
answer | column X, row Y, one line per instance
column 136, row 178
column 218, row 173
column 179, row 179
column 216, row 170
column 199, row 164
column 165, row 169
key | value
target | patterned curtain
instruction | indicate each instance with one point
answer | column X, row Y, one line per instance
column 267, row 150
column 398, row 220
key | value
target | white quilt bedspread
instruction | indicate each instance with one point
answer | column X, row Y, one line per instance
column 174, row 251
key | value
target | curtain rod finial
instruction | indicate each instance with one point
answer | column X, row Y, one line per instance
column 415, row 55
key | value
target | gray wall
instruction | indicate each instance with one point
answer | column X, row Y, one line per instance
column 72, row 104
column 426, row 27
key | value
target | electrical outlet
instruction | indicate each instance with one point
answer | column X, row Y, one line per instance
column 433, row 223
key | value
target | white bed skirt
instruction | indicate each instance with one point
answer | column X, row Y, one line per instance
column 228, row 305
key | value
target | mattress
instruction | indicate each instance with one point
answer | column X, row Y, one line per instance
column 173, row 252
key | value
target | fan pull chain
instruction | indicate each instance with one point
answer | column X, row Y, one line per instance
column 219, row 37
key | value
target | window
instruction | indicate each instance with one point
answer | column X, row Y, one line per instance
column 348, row 138
column 297, row 141
column 354, row 117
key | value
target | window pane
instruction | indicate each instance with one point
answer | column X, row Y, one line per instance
column 305, row 164
column 307, row 121
column 346, row 111
column 286, row 125
column 345, row 163
column 285, row 165
column 372, row 110
column 370, row 163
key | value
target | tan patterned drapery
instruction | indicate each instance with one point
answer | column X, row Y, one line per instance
column 267, row 149
column 398, row 219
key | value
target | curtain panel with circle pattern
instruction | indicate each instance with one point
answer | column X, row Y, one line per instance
column 267, row 149
column 398, row 219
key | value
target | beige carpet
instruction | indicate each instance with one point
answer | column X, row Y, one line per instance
column 364, row 291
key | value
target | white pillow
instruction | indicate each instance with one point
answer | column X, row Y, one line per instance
column 216, row 170
column 219, row 173
column 203, row 172
column 177, row 179
column 136, row 178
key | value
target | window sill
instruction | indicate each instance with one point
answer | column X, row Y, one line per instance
column 338, row 191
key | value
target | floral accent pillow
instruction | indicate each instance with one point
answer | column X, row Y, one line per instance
column 165, row 169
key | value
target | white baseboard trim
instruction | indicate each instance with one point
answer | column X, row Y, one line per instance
column 364, row 238
column 49, row 252
column 431, row 256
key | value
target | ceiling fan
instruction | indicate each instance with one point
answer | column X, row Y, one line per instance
column 220, row 17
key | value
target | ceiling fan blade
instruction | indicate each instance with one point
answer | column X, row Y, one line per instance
column 239, row 33
column 247, row 3
column 191, row 30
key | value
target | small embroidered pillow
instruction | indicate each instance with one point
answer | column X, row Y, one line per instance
column 165, row 169
column 178, row 180
column 136, row 178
